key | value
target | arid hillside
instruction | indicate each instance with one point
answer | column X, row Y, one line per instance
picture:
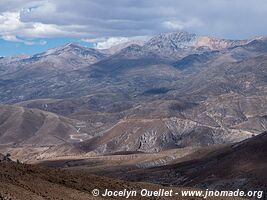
column 28, row 182
column 241, row 165
column 21, row 126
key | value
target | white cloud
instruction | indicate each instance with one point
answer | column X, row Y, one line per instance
column 94, row 40
column 173, row 25
column 43, row 30
column 13, row 38
column 106, row 43
column 41, row 42
column 179, row 25
column 96, row 19
column 9, row 22
column 12, row 28
column 111, row 42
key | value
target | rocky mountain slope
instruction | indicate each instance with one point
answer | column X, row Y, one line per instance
column 69, row 55
column 176, row 45
column 176, row 110
column 176, row 90
column 218, row 167
column 32, row 127
column 37, row 70
column 241, row 165
column 84, row 79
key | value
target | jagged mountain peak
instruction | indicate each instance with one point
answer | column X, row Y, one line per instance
column 176, row 45
column 181, row 40
column 172, row 40
column 70, row 52
column 68, row 57
column 175, row 35
column 73, row 48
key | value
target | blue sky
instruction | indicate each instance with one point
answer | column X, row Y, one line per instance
column 32, row 26
column 15, row 48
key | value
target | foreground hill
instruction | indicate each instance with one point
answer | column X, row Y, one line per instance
column 219, row 167
column 241, row 165
column 31, row 182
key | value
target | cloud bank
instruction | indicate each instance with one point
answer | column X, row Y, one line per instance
column 117, row 20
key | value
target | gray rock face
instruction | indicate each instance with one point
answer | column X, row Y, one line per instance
column 180, row 44
column 168, row 43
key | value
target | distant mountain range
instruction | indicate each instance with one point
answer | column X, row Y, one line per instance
column 174, row 90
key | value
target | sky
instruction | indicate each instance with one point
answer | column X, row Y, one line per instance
column 33, row 26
